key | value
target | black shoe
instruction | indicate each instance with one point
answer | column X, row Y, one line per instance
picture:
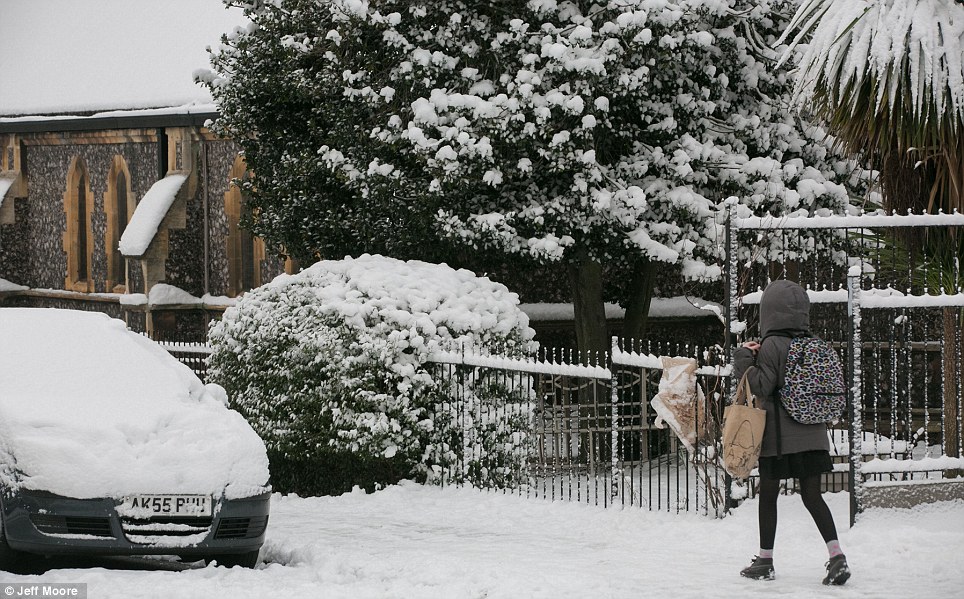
column 837, row 570
column 760, row 569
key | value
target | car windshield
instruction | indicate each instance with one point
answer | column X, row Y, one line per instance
column 90, row 367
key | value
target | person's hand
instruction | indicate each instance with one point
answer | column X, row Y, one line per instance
column 753, row 346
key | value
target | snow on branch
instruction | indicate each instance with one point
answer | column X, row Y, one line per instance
column 874, row 42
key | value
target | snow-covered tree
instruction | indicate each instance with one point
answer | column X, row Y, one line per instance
column 600, row 134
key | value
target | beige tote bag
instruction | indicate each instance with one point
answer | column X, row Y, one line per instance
column 743, row 425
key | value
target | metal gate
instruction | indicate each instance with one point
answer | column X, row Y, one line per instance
column 886, row 291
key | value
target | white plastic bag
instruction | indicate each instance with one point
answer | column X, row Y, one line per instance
column 680, row 404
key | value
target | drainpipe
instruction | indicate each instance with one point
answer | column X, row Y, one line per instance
column 205, row 182
column 161, row 173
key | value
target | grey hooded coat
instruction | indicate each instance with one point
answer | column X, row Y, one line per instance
column 784, row 310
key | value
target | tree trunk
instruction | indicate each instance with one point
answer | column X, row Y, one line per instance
column 639, row 297
column 788, row 269
column 592, row 340
column 585, row 276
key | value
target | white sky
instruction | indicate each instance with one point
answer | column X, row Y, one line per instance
column 70, row 56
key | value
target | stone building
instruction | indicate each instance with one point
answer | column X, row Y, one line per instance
column 114, row 195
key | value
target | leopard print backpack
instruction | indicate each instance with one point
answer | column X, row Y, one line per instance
column 814, row 390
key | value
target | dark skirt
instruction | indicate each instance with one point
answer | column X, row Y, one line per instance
column 796, row 465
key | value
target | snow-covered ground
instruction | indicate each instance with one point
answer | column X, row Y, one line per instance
column 410, row 541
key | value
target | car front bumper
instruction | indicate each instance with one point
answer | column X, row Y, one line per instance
column 47, row 524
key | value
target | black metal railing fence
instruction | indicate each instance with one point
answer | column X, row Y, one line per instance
column 884, row 291
column 594, row 437
column 591, row 431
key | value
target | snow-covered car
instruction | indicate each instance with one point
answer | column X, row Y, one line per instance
column 110, row 446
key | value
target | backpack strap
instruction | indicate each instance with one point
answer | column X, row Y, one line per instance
column 777, row 401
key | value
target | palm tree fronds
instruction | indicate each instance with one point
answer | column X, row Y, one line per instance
column 887, row 79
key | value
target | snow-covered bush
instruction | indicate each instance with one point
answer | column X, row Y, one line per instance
column 335, row 360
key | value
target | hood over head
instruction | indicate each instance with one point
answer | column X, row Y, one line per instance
column 784, row 307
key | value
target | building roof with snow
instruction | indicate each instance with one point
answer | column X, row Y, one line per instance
column 114, row 193
column 62, row 57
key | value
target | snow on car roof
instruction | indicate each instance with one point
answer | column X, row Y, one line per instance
column 90, row 409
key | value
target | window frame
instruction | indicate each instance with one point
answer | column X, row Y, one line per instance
column 75, row 280
column 113, row 233
column 233, row 204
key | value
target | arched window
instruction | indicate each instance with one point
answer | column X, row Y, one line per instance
column 78, row 239
column 119, row 205
column 245, row 251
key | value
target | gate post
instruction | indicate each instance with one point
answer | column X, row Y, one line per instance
column 616, row 472
column 730, row 292
column 855, row 399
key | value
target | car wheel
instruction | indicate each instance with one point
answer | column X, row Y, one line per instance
column 230, row 560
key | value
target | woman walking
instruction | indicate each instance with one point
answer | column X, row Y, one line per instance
column 790, row 449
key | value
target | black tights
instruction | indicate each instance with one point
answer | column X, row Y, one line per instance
column 812, row 499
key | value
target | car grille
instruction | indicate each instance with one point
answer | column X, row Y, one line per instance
column 171, row 527
column 71, row 525
column 241, row 528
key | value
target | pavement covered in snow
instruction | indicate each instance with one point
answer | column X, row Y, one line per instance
column 412, row 541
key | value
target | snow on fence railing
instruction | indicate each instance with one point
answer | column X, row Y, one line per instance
column 186, row 348
column 925, row 464
column 468, row 357
column 873, row 298
column 878, row 219
column 192, row 354
column 653, row 362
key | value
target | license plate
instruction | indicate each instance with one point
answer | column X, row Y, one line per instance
column 145, row 506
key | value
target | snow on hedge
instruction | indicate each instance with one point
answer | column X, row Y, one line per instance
column 335, row 358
